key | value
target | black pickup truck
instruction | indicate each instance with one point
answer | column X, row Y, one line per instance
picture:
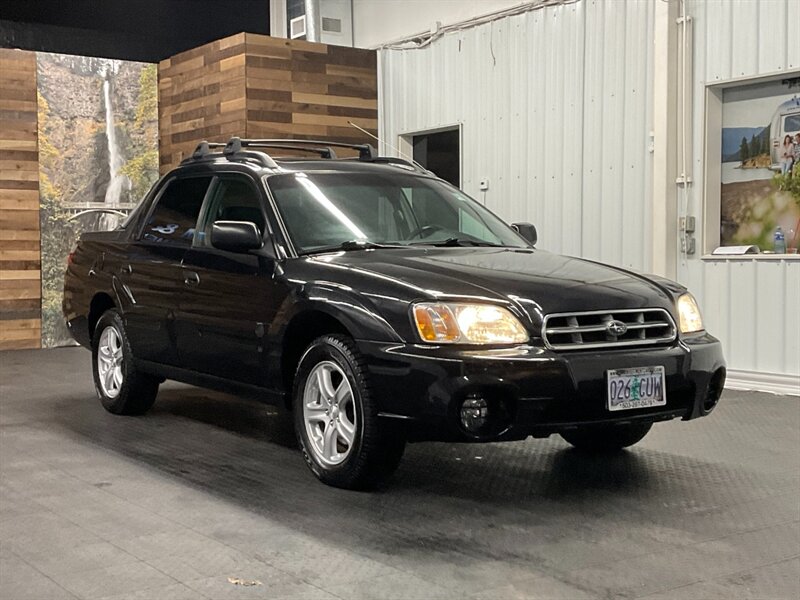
column 381, row 305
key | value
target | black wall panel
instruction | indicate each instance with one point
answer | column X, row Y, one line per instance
column 144, row 30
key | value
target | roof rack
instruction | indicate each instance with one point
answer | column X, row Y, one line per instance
column 323, row 148
column 402, row 162
column 232, row 150
column 323, row 151
column 204, row 148
column 235, row 150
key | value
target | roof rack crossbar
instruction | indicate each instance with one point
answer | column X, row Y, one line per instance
column 323, row 151
column 365, row 151
column 235, row 150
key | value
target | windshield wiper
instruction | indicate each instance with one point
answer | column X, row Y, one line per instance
column 349, row 245
column 455, row 241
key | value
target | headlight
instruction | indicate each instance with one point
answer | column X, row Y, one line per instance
column 461, row 323
column 689, row 312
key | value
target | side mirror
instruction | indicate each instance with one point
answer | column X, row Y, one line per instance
column 236, row 236
column 527, row 231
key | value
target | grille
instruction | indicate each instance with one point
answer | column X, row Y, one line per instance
column 608, row 329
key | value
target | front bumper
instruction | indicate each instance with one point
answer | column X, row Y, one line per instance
column 543, row 392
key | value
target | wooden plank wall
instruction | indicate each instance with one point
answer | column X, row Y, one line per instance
column 310, row 91
column 20, row 260
column 201, row 96
column 257, row 86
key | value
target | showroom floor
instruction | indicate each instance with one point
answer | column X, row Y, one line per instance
column 207, row 497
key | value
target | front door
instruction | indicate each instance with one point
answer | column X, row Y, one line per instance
column 151, row 275
column 229, row 298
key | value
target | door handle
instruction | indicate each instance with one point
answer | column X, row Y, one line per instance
column 191, row 278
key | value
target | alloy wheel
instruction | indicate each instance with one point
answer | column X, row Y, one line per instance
column 329, row 413
column 109, row 362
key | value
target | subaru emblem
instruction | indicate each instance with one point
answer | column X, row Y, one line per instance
column 616, row 328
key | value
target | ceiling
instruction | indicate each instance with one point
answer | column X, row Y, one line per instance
column 144, row 30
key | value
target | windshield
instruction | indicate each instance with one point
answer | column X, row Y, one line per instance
column 325, row 210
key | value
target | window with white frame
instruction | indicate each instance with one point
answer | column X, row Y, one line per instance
column 753, row 166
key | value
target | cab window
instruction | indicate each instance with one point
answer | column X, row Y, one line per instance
column 174, row 218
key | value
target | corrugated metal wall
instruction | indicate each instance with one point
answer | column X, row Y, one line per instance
column 752, row 305
column 555, row 107
column 556, row 110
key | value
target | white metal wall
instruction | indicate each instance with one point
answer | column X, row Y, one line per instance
column 555, row 107
column 379, row 21
column 752, row 305
column 556, row 110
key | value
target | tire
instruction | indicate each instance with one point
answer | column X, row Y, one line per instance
column 122, row 389
column 607, row 438
column 344, row 442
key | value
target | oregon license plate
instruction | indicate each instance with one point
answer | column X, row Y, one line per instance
column 641, row 387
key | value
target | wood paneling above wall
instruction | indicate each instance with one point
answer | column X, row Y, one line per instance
column 20, row 261
column 257, row 86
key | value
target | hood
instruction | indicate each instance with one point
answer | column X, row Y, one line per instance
column 535, row 280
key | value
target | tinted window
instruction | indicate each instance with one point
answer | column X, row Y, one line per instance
column 791, row 123
column 175, row 216
column 233, row 199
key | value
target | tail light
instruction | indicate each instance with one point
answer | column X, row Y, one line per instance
column 71, row 257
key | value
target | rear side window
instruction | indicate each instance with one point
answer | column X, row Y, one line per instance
column 174, row 218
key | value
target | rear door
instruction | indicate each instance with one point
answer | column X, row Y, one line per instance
column 152, row 276
column 230, row 298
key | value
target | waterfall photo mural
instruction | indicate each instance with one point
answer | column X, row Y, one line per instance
column 98, row 156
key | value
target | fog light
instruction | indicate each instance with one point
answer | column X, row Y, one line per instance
column 474, row 413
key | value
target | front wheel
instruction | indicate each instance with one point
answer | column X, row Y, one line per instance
column 122, row 389
column 606, row 438
column 344, row 442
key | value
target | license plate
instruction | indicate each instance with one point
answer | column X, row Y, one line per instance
column 641, row 387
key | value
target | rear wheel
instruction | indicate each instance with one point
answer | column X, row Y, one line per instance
column 344, row 442
column 606, row 438
column 122, row 389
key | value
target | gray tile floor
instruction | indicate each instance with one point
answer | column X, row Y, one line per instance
column 208, row 487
